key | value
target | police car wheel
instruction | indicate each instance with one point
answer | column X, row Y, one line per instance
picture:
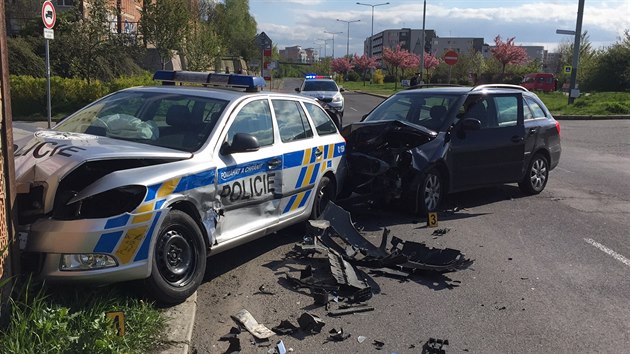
column 179, row 259
column 325, row 192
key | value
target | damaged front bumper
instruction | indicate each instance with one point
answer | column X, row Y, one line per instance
column 90, row 250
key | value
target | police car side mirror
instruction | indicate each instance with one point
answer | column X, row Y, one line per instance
column 297, row 89
column 341, row 89
column 242, row 142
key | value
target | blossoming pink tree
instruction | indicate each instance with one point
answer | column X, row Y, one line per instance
column 399, row 59
column 341, row 66
column 430, row 62
column 363, row 64
column 507, row 53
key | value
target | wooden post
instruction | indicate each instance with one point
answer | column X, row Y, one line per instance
column 8, row 259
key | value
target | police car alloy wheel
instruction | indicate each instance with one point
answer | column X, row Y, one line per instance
column 179, row 260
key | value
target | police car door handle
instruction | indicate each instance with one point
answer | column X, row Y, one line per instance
column 274, row 162
column 318, row 152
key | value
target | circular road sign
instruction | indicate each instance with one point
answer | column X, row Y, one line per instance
column 48, row 14
column 450, row 57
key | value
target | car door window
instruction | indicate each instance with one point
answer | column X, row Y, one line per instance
column 323, row 124
column 292, row 122
column 507, row 110
column 527, row 113
column 255, row 119
column 537, row 111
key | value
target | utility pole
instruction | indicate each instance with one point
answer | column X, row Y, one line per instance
column 424, row 13
column 333, row 41
column 573, row 91
column 348, row 41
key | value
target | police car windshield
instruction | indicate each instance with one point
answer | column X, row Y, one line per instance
column 168, row 120
column 319, row 85
column 425, row 109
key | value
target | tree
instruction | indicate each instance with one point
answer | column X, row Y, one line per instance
column 430, row 62
column 588, row 58
column 612, row 60
column 399, row 59
column 341, row 65
column 236, row 27
column 164, row 23
column 202, row 45
column 364, row 63
column 507, row 53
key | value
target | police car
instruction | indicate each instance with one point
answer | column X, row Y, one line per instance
column 324, row 89
column 147, row 182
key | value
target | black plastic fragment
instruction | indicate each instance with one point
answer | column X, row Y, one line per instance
column 435, row 346
column 378, row 344
column 338, row 336
column 310, row 323
column 421, row 257
column 285, row 327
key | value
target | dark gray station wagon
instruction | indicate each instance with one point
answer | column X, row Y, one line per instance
column 420, row 144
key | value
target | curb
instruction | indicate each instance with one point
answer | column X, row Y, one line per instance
column 557, row 117
column 180, row 321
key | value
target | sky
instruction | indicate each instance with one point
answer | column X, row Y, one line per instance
column 304, row 22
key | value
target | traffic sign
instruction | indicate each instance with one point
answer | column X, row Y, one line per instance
column 567, row 69
column 49, row 34
column 451, row 57
column 49, row 17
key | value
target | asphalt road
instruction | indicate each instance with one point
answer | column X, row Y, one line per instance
column 550, row 272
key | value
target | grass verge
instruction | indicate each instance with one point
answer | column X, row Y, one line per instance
column 596, row 103
column 73, row 320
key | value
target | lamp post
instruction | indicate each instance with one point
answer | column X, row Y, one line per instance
column 333, row 41
column 373, row 6
column 348, row 42
column 325, row 43
column 573, row 91
column 424, row 12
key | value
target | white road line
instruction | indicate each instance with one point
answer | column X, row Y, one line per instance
column 607, row 250
column 353, row 109
column 565, row 170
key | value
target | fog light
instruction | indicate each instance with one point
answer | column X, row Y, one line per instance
column 86, row 261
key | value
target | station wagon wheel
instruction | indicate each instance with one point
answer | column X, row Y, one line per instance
column 430, row 192
column 536, row 175
column 179, row 259
column 325, row 192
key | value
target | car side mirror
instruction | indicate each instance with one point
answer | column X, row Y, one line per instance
column 341, row 89
column 242, row 142
column 297, row 89
column 471, row 124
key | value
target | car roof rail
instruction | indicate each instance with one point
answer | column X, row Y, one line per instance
column 432, row 85
column 248, row 82
column 499, row 86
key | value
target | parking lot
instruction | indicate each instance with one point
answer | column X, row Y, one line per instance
column 549, row 272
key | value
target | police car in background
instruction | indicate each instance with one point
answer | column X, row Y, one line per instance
column 325, row 90
column 147, row 182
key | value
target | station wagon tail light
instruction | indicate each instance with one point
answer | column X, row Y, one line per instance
column 86, row 261
column 558, row 127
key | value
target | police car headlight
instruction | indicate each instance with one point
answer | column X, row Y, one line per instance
column 103, row 205
column 337, row 98
column 86, row 261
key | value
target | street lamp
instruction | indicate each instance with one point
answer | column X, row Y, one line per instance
column 333, row 41
column 348, row 42
column 373, row 6
column 325, row 43
column 573, row 91
column 424, row 13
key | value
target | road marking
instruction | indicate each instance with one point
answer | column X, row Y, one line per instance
column 565, row 170
column 353, row 109
column 607, row 250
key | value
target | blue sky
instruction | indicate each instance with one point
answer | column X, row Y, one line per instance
column 303, row 22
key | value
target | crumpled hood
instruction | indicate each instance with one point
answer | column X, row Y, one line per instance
column 365, row 137
column 51, row 155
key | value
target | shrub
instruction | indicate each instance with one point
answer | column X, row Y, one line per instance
column 379, row 78
column 353, row 76
column 617, row 108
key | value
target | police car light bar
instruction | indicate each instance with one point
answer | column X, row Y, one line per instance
column 249, row 83
column 313, row 76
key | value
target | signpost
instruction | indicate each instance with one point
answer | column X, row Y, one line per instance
column 49, row 17
column 450, row 58
column 265, row 44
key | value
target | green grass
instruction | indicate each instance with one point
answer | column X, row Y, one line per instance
column 597, row 103
column 73, row 320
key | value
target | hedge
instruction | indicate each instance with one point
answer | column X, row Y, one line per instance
column 28, row 94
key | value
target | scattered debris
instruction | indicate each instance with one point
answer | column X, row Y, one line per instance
column 344, row 274
column 310, row 323
column 421, row 257
column 435, row 346
column 285, row 327
column 361, row 339
column 262, row 290
column 232, row 338
column 338, row 336
column 440, row 232
column 378, row 344
column 350, row 309
column 280, row 347
column 258, row 330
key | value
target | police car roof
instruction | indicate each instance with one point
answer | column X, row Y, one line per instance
column 211, row 92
